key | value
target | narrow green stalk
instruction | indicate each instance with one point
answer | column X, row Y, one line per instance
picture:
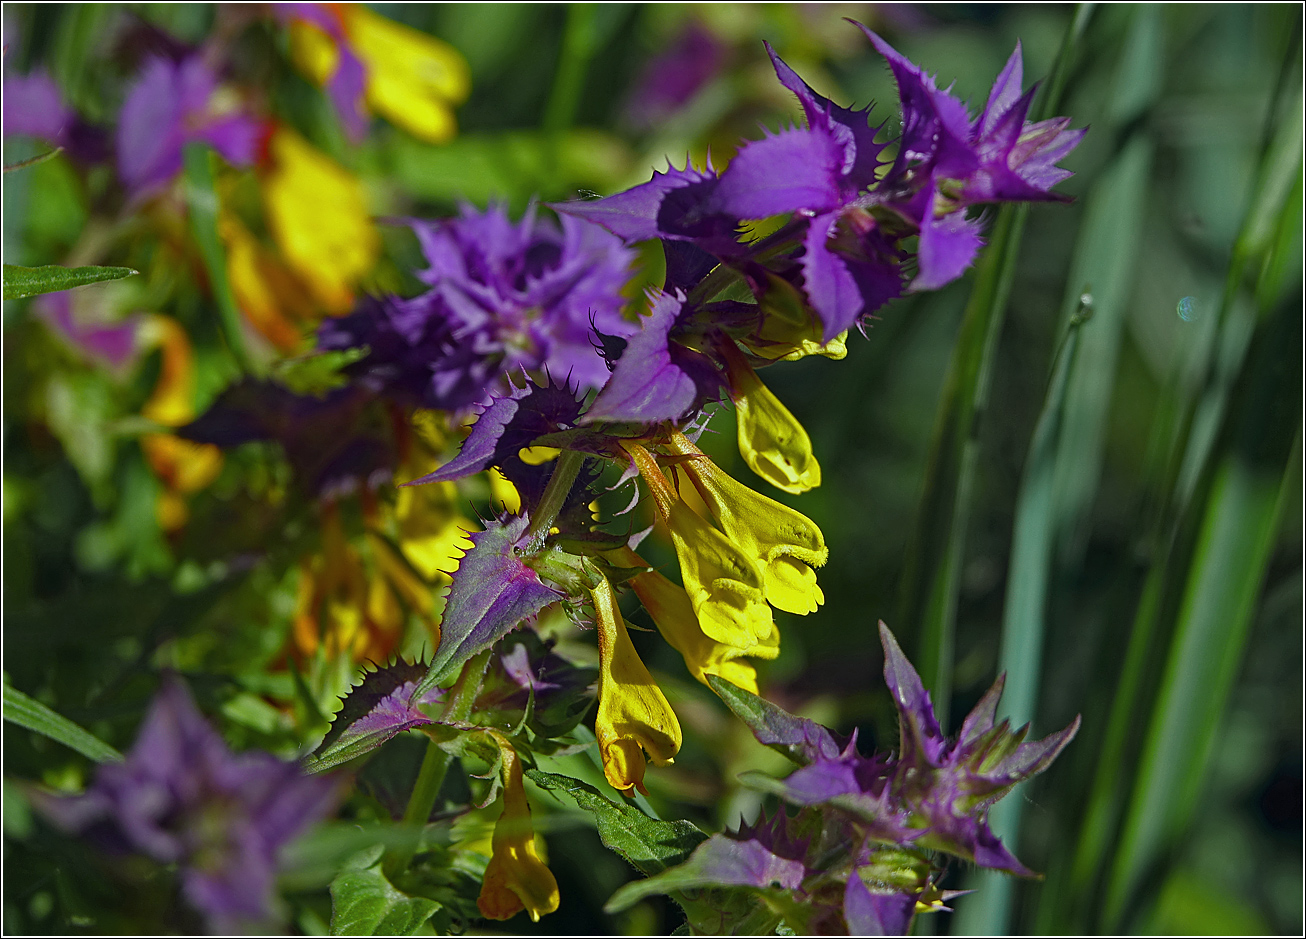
column 555, row 494
column 929, row 599
column 436, row 762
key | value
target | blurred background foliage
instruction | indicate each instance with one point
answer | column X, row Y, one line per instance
column 1156, row 513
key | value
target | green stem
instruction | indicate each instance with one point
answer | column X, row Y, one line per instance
column 578, row 44
column 436, row 762
column 555, row 494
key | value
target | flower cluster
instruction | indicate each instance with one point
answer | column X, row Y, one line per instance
column 579, row 399
column 856, row 857
column 859, row 231
column 181, row 797
column 844, row 251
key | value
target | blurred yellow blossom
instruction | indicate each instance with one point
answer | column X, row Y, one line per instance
column 317, row 213
column 411, row 78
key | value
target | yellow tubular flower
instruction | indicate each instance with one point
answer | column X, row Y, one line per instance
column 674, row 617
column 724, row 583
column 772, row 442
column 515, row 879
column 789, row 330
column 634, row 717
column 786, row 543
column 318, row 215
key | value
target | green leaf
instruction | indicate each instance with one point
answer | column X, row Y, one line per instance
column 364, row 903
column 317, row 373
column 33, row 161
column 649, row 844
column 32, row 714
column 23, row 282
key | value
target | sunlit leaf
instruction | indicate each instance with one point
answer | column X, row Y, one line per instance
column 23, row 282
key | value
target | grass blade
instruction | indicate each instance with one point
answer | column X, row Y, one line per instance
column 1178, row 454
column 1023, row 616
column 1243, row 490
column 28, row 712
column 21, row 282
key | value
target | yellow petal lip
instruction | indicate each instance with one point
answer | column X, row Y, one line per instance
column 784, row 543
column 772, row 442
column 673, row 614
column 723, row 579
column 634, row 717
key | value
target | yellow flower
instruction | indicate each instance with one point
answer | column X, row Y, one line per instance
column 340, row 606
column 515, row 879
column 634, row 717
column 786, row 544
column 432, row 531
column 789, row 331
column 503, row 492
column 725, row 585
column 772, row 442
column 317, row 213
column 181, row 465
column 412, row 78
column 673, row 614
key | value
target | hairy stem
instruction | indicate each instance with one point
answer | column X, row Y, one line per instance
column 436, row 762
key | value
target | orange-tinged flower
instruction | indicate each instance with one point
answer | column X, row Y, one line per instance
column 634, row 717
column 182, row 466
column 317, row 213
column 515, row 879
column 273, row 299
